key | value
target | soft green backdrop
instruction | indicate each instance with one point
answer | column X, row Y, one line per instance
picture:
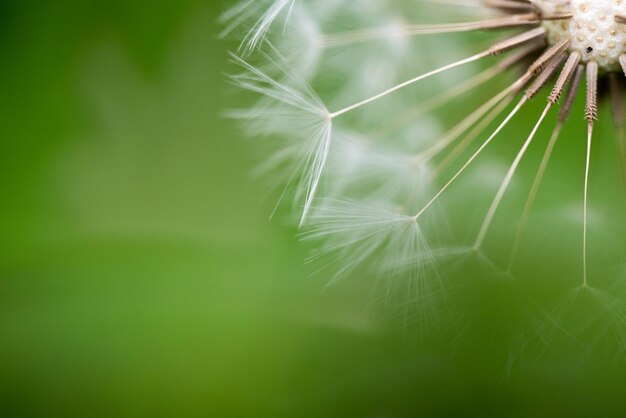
column 139, row 273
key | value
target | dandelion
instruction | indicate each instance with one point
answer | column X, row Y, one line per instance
column 374, row 141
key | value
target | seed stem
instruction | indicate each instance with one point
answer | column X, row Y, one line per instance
column 507, row 181
column 505, row 122
column 409, row 82
column 496, row 49
column 591, row 113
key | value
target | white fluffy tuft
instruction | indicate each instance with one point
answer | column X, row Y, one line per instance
column 263, row 14
column 289, row 108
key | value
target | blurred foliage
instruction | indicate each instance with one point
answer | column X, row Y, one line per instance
column 140, row 276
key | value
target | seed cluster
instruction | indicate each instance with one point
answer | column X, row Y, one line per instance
column 592, row 30
column 569, row 46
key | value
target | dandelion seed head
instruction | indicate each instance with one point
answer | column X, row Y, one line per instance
column 385, row 164
column 592, row 30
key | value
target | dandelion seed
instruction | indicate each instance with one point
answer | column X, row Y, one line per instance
column 563, row 115
column 568, row 70
column 591, row 114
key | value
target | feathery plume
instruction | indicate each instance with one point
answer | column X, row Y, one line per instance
column 263, row 13
column 288, row 107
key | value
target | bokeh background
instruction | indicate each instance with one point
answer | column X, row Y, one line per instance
column 140, row 275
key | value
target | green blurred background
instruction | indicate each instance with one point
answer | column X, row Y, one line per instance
column 140, row 275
